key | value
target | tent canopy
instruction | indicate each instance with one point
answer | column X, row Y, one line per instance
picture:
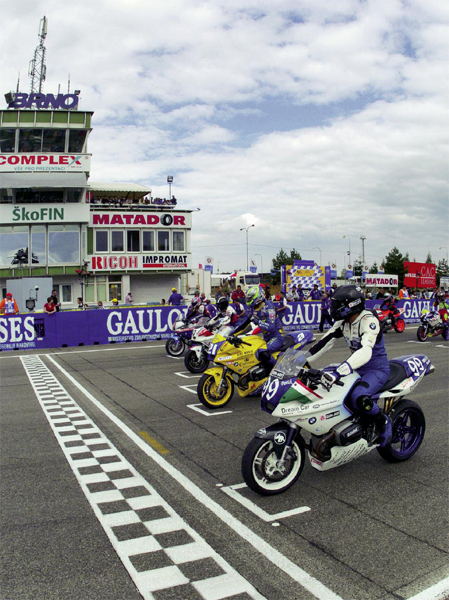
column 124, row 190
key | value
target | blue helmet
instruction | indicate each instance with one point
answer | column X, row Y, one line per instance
column 255, row 296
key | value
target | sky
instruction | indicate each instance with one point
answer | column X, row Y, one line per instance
column 318, row 122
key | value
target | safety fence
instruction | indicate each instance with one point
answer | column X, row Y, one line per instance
column 140, row 324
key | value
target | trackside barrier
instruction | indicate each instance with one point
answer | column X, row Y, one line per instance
column 137, row 324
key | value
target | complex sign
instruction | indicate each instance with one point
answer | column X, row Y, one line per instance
column 27, row 162
column 116, row 219
column 420, row 275
column 64, row 101
column 381, row 280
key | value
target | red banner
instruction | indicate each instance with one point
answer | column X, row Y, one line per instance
column 420, row 275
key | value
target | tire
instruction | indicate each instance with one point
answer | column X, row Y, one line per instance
column 175, row 347
column 399, row 326
column 207, row 392
column 421, row 333
column 445, row 335
column 409, row 426
column 259, row 471
column 195, row 365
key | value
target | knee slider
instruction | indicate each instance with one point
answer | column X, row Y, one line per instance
column 364, row 403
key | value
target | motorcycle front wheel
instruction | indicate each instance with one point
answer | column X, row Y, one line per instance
column 260, row 470
column 421, row 333
column 195, row 364
column 409, row 426
column 399, row 326
column 209, row 394
column 174, row 347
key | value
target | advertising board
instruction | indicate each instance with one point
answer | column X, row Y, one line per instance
column 420, row 275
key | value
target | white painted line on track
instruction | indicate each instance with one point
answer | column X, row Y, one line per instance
column 134, row 516
column 416, row 342
column 259, row 512
column 208, row 414
column 440, row 591
column 189, row 376
column 441, row 346
column 174, row 357
column 83, row 351
column 187, row 388
column 315, row 587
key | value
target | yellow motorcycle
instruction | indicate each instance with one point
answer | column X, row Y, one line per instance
column 235, row 364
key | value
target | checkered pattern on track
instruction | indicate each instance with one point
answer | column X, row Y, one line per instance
column 164, row 556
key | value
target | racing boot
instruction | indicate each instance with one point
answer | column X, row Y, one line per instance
column 385, row 429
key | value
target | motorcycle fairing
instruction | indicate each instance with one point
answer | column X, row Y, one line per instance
column 341, row 455
column 413, row 367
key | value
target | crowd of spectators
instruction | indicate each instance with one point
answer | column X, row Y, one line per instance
column 119, row 201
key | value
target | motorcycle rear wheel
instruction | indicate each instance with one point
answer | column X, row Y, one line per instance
column 409, row 427
column 208, row 395
column 421, row 333
column 175, row 347
column 445, row 335
column 399, row 326
column 259, row 467
column 195, row 364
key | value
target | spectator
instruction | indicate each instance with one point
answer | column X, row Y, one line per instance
column 219, row 294
column 175, row 298
column 8, row 306
column 163, row 302
column 238, row 294
column 403, row 293
column 325, row 314
column 55, row 300
column 129, row 298
column 203, row 297
column 50, row 306
column 316, row 294
column 380, row 294
column 239, row 308
column 282, row 304
column 80, row 303
column 114, row 302
column 100, row 305
column 300, row 293
column 196, row 300
column 332, row 290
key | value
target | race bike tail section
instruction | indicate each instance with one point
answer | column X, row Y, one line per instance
column 293, row 393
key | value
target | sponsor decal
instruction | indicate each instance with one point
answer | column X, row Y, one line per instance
column 312, row 421
column 27, row 162
column 276, row 373
column 304, row 407
column 121, row 219
column 160, row 262
column 316, row 406
column 262, row 431
column 114, row 262
column 332, row 415
column 322, row 418
column 64, row 101
column 224, row 358
column 280, row 438
column 372, row 325
column 22, row 214
column 290, row 411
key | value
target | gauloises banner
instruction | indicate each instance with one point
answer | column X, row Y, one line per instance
column 420, row 275
column 86, row 328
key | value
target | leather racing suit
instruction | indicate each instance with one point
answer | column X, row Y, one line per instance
column 269, row 322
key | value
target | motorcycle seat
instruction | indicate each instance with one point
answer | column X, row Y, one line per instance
column 287, row 343
column 397, row 374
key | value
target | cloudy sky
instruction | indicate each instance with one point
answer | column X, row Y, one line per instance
column 310, row 119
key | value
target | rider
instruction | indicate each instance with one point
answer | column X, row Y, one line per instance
column 267, row 319
column 442, row 304
column 194, row 309
column 389, row 304
column 361, row 330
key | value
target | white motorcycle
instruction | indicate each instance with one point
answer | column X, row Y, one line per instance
column 275, row 457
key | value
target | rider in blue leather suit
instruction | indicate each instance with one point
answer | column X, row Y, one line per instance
column 362, row 332
column 265, row 317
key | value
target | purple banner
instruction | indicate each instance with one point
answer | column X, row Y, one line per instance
column 88, row 328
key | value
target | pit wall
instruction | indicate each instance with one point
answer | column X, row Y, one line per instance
column 88, row 328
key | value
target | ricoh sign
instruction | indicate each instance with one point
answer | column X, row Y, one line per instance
column 27, row 162
column 138, row 262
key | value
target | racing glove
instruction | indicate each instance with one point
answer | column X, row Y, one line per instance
column 329, row 378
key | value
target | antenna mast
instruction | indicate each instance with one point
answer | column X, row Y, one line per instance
column 38, row 68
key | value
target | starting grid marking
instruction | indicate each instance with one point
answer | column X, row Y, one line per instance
column 156, row 546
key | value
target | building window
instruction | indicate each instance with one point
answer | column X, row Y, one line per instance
column 74, row 194
column 101, row 241
column 14, row 246
column 77, row 138
column 115, row 287
column 178, row 241
column 53, row 140
column 64, row 293
column 7, row 140
column 30, row 140
column 63, row 244
column 133, row 240
column 39, row 244
column 163, row 241
column 148, row 241
column 117, row 244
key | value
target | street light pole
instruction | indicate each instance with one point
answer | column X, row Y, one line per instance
column 261, row 262
column 316, row 248
column 349, row 253
column 169, row 181
column 247, row 256
column 363, row 238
